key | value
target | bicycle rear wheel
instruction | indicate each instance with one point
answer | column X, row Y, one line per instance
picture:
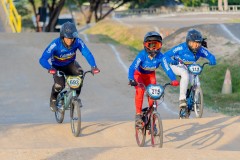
column 198, row 105
column 140, row 134
column 75, row 116
column 156, row 130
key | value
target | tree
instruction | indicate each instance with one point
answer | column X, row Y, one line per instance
column 96, row 8
column 54, row 8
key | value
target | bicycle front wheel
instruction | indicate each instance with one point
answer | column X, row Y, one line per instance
column 140, row 134
column 156, row 130
column 75, row 116
column 198, row 102
column 59, row 114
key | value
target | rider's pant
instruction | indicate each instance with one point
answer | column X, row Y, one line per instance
column 146, row 79
column 59, row 82
column 182, row 71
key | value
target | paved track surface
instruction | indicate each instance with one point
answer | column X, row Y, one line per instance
column 176, row 21
column 28, row 129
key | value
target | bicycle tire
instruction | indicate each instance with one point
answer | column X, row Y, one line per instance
column 59, row 115
column 140, row 134
column 184, row 115
column 156, row 130
column 198, row 105
column 75, row 116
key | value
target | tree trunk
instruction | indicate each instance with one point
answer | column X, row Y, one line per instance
column 91, row 10
column 54, row 14
column 36, row 15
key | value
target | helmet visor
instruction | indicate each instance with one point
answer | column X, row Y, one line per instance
column 153, row 45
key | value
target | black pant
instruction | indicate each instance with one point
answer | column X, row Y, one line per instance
column 59, row 82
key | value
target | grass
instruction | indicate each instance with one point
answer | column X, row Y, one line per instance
column 113, row 32
column 211, row 79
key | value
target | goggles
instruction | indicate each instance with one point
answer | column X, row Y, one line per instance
column 153, row 45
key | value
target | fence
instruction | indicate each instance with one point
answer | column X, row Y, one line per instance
column 14, row 19
column 169, row 10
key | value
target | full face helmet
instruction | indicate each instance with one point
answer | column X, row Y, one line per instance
column 152, row 43
column 194, row 36
column 68, row 30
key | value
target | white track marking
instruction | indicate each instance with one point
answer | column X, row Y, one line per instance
column 230, row 33
column 119, row 58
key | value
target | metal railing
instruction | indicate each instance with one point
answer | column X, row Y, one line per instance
column 169, row 10
column 14, row 19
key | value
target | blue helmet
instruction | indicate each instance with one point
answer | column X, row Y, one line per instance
column 195, row 36
column 68, row 30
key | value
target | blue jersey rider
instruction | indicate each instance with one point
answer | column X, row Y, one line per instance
column 62, row 52
column 188, row 53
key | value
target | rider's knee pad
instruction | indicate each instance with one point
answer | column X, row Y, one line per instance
column 57, row 87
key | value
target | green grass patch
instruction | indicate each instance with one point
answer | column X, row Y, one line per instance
column 116, row 33
column 235, row 20
column 212, row 80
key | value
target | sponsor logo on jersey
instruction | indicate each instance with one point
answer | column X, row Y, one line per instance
column 165, row 64
column 149, row 68
column 81, row 42
column 51, row 47
column 204, row 52
column 137, row 64
column 179, row 48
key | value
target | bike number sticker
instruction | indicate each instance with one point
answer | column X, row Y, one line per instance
column 195, row 69
column 74, row 82
column 154, row 91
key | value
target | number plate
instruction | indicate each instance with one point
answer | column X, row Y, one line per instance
column 195, row 69
column 155, row 91
column 74, row 81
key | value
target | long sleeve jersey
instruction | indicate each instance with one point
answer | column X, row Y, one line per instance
column 145, row 65
column 61, row 56
column 183, row 53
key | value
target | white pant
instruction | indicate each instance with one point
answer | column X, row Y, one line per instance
column 182, row 71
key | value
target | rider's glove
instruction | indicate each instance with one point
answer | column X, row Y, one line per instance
column 133, row 83
column 52, row 71
column 212, row 63
column 175, row 83
column 174, row 62
column 95, row 70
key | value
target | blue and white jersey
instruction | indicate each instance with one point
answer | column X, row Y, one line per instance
column 145, row 65
column 61, row 56
column 183, row 53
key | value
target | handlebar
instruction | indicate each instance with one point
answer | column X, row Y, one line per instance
column 61, row 73
column 164, row 86
column 181, row 62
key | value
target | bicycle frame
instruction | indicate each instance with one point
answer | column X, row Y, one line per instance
column 190, row 95
column 67, row 93
column 151, row 118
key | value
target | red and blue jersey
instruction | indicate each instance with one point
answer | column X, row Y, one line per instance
column 61, row 55
column 146, row 65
